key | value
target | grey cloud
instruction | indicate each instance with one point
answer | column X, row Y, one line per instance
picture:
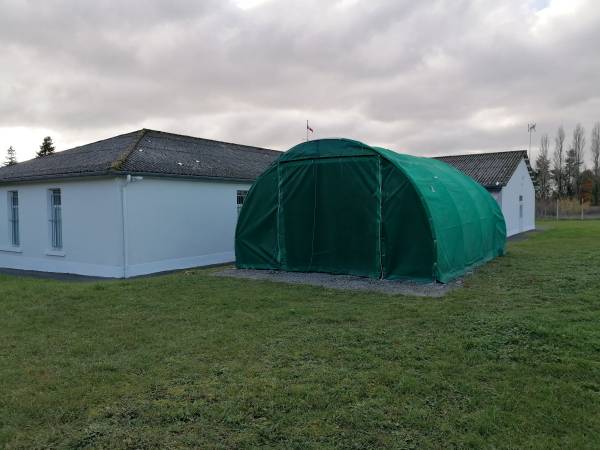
column 422, row 77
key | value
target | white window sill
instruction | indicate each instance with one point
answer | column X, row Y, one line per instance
column 11, row 249
column 56, row 253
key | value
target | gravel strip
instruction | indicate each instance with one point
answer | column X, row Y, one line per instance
column 345, row 282
column 50, row 275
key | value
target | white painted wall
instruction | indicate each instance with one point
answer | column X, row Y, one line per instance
column 91, row 223
column 176, row 224
column 520, row 184
column 169, row 224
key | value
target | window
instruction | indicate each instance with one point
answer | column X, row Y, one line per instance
column 520, row 198
column 56, row 219
column 13, row 218
column 520, row 211
column 241, row 196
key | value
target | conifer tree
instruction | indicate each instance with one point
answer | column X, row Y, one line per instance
column 11, row 157
column 47, row 147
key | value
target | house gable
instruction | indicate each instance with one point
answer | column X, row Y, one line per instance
column 491, row 170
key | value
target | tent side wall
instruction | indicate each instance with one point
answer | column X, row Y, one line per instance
column 482, row 232
column 467, row 225
column 408, row 250
column 256, row 242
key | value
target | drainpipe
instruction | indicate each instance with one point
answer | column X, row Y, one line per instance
column 124, row 222
column 128, row 179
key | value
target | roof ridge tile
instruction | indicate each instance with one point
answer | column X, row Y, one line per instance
column 118, row 163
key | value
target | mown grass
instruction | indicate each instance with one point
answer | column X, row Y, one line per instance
column 511, row 360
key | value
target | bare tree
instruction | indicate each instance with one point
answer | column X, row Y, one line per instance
column 570, row 174
column 542, row 164
column 578, row 146
column 559, row 159
column 595, row 148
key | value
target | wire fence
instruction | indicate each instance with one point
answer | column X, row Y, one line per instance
column 565, row 209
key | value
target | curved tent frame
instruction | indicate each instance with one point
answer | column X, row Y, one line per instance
column 341, row 206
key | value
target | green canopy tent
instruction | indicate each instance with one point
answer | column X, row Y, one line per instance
column 341, row 206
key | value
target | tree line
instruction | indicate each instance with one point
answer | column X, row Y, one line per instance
column 561, row 171
column 47, row 148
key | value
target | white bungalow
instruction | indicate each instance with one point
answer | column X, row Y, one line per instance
column 134, row 204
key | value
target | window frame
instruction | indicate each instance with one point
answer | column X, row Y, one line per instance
column 14, row 231
column 241, row 195
column 55, row 219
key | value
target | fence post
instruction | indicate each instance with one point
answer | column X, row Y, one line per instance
column 556, row 208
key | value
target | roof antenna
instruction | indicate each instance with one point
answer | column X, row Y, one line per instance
column 530, row 129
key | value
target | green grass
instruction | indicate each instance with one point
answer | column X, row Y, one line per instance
column 511, row 360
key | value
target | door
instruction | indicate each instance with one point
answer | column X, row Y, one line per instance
column 520, row 213
column 330, row 215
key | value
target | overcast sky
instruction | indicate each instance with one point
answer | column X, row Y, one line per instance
column 421, row 77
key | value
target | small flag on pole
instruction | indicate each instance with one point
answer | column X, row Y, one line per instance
column 308, row 128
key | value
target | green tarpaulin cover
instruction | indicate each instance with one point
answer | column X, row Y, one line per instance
column 341, row 206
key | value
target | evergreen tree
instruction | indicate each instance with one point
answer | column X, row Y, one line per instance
column 47, row 147
column 11, row 157
column 543, row 174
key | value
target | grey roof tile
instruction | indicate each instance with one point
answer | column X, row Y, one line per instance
column 148, row 152
column 171, row 154
column 491, row 170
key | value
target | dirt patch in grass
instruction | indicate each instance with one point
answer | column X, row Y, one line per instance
column 345, row 282
column 526, row 234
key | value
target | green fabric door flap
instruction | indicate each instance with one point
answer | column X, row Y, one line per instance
column 341, row 206
column 329, row 217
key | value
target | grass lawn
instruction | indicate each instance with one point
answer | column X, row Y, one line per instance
column 511, row 360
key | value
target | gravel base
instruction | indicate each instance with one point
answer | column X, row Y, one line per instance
column 345, row 282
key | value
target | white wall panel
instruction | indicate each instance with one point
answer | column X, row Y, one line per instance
column 91, row 228
column 520, row 184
